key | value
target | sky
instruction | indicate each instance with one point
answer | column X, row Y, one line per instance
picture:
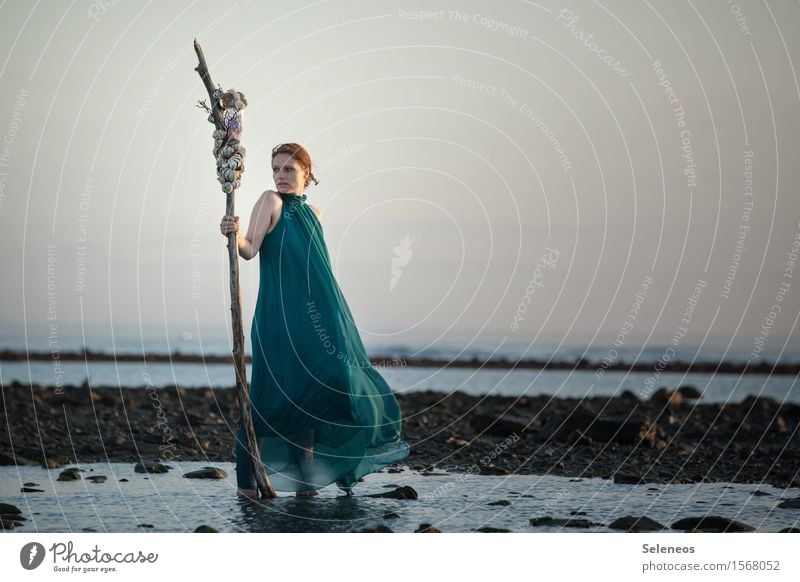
column 491, row 174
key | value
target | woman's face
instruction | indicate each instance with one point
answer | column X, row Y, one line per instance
column 289, row 175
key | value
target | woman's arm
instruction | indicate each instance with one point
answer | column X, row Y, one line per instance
column 260, row 221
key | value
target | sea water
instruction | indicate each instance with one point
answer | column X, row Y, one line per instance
column 168, row 502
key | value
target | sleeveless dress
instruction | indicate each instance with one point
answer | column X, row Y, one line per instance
column 321, row 412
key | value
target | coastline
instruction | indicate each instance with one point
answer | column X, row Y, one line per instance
column 669, row 438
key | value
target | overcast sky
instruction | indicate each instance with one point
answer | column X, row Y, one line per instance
column 538, row 164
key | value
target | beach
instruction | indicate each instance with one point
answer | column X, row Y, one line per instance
column 669, row 437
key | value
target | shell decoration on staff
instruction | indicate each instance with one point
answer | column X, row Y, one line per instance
column 228, row 152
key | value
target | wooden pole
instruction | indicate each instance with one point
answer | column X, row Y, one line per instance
column 217, row 117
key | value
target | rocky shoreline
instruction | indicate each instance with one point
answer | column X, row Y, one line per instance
column 670, row 438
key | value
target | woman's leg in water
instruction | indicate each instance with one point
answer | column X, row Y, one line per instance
column 304, row 454
column 245, row 477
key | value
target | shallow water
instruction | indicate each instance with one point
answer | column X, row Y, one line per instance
column 451, row 502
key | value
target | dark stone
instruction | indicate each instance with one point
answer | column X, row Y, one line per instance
column 487, row 529
column 404, row 492
column 390, row 515
column 628, row 478
column 427, row 528
column 31, row 490
column 790, row 530
column 8, row 459
column 790, row 503
column 711, row 524
column 97, row 478
column 149, row 467
column 503, row 425
column 493, row 470
column 626, row 430
column 6, row 508
column 71, row 474
column 205, row 529
column 688, row 391
column 503, row 502
column 206, row 473
column 636, row 524
column 569, row 522
column 146, row 525
column 7, row 525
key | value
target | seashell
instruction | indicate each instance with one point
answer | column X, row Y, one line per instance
column 227, row 187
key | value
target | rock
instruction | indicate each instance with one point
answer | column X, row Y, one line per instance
column 636, row 524
column 390, row 515
column 569, row 522
column 628, row 478
column 206, row 473
column 503, row 425
column 487, row 529
column 8, row 525
column 427, row 528
column 711, row 524
column 205, row 529
column 629, row 395
column 13, row 517
column 150, row 467
column 31, row 490
column 97, row 478
column 503, row 502
column 626, row 430
column 380, row 528
column 71, row 474
column 7, row 508
column 790, row 503
column 123, row 480
column 492, row 470
column 760, row 493
column 689, row 391
column 394, row 470
column 8, row 459
column 146, row 525
column 665, row 397
column 404, row 492
column 54, row 461
column 790, row 530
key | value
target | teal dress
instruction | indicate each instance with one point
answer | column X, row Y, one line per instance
column 321, row 412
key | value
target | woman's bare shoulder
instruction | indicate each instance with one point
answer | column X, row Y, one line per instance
column 317, row 211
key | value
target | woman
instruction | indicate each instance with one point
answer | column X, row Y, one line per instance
column 321, row 412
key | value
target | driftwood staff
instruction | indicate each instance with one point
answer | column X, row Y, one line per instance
column 226, row 115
